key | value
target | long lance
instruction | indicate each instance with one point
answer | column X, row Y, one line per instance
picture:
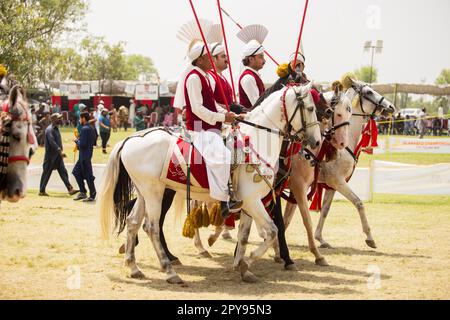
column 209, row 56
column 226, row 48
column 240, row 27
column 300, row 32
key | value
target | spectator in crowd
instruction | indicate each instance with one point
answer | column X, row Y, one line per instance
column 34, row 121
column 409, row 126
column 139, row 121
column 123, row 117
column 113, row 119
column 105, row 128
column 83, row 168
column 437, row 126
column 132, row 111
column 399, row 124
column 159, row 110
column 81, row 108
column 56, row 108
column 421, row 123
column 43, row 124
column 441, row 119
column 54, row 154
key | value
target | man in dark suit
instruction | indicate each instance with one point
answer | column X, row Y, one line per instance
column 54, row 154
column 83, row 168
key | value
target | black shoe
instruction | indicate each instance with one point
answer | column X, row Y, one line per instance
column 90, row 199
column 72, row 191
column 80, row 196
column 44, row 194
column 225, row 207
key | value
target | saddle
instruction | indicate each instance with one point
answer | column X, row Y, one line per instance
column 184, row 152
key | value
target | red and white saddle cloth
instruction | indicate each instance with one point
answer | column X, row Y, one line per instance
column 176, row 166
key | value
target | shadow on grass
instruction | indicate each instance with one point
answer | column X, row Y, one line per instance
column 272, row 279
column 360, row 252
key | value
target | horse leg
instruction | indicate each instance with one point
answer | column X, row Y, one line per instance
column 281, row 244
column 153, row 206
column 266, row 229
column 326, row 204
column 302, row 201
column 199, row 245
column 169, row 194
column 245, row 226
column 345, row 190
column 214, row 236
column 288, row 214
column 134, row 221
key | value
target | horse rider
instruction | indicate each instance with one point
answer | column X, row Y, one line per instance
column 251, row 87
column 204, row 118
column 291, row 72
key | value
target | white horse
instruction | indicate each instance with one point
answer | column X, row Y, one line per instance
column 334, row 111
column 17, row 144
column 366, row 103
column 139, row 162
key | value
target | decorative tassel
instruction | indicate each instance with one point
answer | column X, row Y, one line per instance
column 212, row 213
column 205, row 216
column 218, row 220
column 197, row 218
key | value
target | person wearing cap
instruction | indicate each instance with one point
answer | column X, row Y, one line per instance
column 83, row 168
column 204, row 118
column 251, row 86
column 105, row 128
column 291, row 72
column 53, row 158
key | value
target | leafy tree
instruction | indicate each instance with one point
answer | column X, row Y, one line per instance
column 365, row 73
column 29, row 26
column 443, row 79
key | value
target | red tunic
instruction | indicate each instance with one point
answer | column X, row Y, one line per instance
column 243, row 99
column 226, row 89
column 208, row 102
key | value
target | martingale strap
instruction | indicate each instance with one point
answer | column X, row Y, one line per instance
column 4, row 152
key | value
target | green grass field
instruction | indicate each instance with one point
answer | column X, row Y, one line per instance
column 99, row 157
column 46, row 244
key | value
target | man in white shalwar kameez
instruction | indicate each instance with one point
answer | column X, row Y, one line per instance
column 204, row 118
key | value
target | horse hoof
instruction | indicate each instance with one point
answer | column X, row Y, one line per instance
column 205, row 254
column 211, row 241
column 249, row 277
column 322, row 262
column 291, row 267
column 175, row 280
column 371, row 243
column 122, row 249
column 325, row 245
column 278, row 260
column 138, row 275
column 176, row 262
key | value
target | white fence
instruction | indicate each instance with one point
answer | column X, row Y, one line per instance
column 387, row 177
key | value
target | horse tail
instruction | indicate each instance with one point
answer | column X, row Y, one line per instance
column 114, row 194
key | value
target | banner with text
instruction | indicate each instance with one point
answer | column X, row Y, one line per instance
column 146, row 92
column 79, row 91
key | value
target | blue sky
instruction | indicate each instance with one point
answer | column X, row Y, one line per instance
column 416, row 33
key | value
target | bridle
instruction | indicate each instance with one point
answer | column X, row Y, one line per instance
column 299, row 135
column 329, row 132
column 378, row 104
column 18, row 117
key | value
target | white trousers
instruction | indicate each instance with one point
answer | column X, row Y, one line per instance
column 217, row 158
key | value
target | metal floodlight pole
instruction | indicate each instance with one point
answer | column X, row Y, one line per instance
column 378, row 46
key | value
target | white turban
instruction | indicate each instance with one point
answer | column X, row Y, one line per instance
column 197, row 50
column 216, row 48
column 298, row 57
column 253, row 47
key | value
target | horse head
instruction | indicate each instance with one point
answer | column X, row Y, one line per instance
column 368, row 102
column 18, row 143
column 301, row 115
column 341, row 106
